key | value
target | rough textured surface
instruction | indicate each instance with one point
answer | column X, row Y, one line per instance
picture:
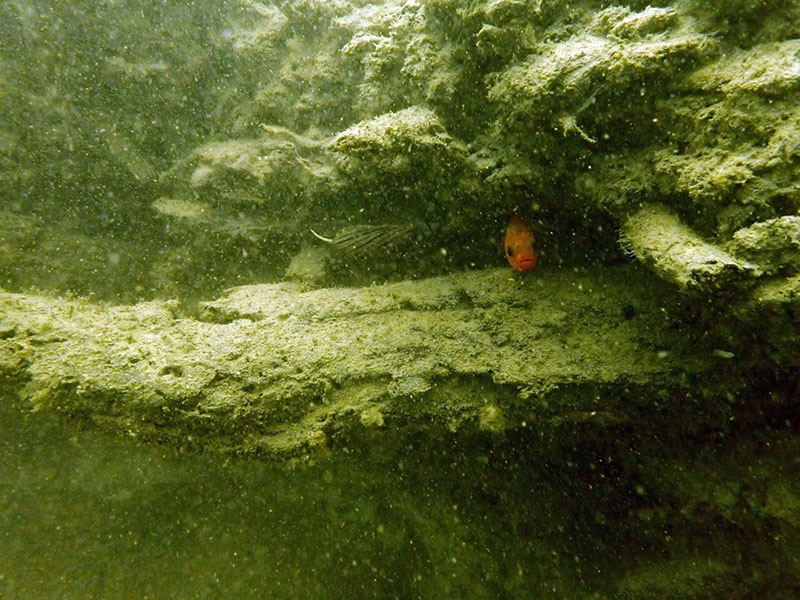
column 280, row 372
column 656, row 236
column 321, row 115
column 448, row 114
column 774, row 244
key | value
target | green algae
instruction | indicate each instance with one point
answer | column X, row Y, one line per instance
column 275, row 371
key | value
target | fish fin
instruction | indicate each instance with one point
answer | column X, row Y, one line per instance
column 359, row 240
column 320, row 237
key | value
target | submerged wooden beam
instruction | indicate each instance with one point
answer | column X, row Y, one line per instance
column 271, row 370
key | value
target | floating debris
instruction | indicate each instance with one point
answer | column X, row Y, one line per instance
column 182, row 209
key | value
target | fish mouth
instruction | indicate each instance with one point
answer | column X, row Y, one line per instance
column 526, row 263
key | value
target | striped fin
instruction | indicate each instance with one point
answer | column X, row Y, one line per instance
column 360, row 240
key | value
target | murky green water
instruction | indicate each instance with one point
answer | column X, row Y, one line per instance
column 85, row 515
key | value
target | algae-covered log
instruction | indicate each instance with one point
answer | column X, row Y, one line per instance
column 677, row 254
column 275, row 371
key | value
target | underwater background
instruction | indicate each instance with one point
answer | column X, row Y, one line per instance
column 258, row 336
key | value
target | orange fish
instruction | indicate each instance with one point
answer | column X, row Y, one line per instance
column 519, row 245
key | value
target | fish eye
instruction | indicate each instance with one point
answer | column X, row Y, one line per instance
column 509, row 251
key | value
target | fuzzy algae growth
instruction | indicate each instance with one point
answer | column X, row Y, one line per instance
column 275, row 371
